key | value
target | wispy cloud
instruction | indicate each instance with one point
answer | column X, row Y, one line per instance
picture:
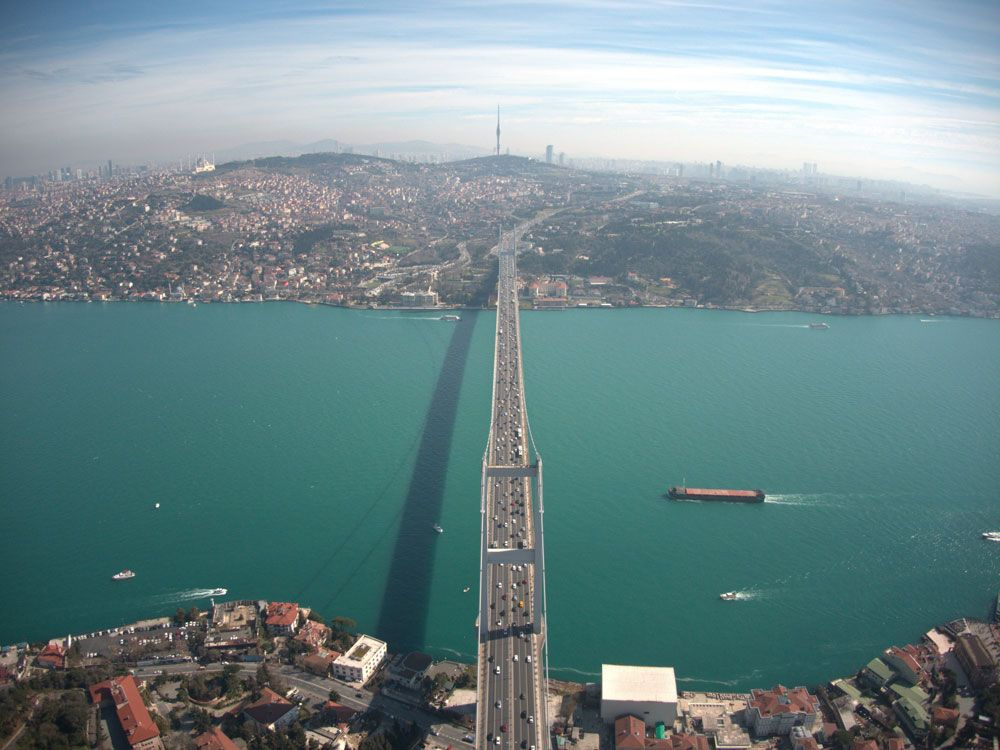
column 910, row 82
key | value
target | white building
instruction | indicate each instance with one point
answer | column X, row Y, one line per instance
column 361, row 660
column 647, row 692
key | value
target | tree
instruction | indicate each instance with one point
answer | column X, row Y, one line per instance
column 341, row 624
column 202, row 720
column 232, row 684
column 334, row 696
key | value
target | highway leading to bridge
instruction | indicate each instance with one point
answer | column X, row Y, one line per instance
column 511, row 710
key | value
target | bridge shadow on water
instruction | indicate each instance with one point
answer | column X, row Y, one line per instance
column 405, row 603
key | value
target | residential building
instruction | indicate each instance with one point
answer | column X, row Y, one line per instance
column 53, row 656
column 979, row 665
column 410, row 670
column 630, row 734
column 339, row 714
column 140, row 730
column 320, row 662
column 876, row 674
column 802, row 740
column 282, row 618
column 912, row 716
column 271, row 711
column 646, row 692
column 904, row 664
column 361, row 660
column 777, row 711
column 214, row 739
column 313, row 634
column 943, row 716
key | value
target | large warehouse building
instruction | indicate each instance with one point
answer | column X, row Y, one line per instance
column 649, row 693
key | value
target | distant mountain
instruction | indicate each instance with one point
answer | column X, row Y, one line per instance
column 418, row 150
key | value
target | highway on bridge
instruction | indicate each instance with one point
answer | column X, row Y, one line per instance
column 511, row 689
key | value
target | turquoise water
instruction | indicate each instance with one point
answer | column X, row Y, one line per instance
column 282, row 442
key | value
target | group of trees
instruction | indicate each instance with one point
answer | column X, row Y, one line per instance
column 59, row 722
column 395, row 738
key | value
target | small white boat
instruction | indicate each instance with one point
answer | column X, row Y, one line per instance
column 729, row 596
column 465, row 590
column 819, row 326
column 156, row 506
column 438, row 529
column 123, row 575
column 993, row 536
column 219, row 592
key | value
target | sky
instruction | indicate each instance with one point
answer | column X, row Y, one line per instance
column 882, row 89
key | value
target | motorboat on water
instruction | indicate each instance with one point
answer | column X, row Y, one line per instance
column 438, row 529
column 123, row 575
column 450, row 318
column 819, row 326
column 465, row 590
column 219, row 592
column 729, row 596
column 993, row 536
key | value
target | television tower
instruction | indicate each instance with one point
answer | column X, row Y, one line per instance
column 498, row 130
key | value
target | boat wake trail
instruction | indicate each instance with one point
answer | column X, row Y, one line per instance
column 406, row 317
column 749, row 595
column 779, row 325
column 190, row 595
column 797, row 499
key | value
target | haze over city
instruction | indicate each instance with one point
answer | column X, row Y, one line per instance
column 882, row 90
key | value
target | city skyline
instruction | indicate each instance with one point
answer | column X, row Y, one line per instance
column 887, row 91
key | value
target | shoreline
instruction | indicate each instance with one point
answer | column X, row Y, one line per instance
column 446, row 310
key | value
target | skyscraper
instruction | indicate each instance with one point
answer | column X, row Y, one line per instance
column 498, row 130
column 548, row 154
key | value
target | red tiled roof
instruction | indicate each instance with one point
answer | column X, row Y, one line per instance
column 53, row 654
column 906, row 658
column 943, row 715
column 282, row 614
column 630, row 733
column 343, row 713
column 268, row 708
column 688, row 742
column 781, row 700
column 214, row 739
column 313, row 633
column 132, row 713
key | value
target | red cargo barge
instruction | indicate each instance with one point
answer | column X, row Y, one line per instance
column 733, row 496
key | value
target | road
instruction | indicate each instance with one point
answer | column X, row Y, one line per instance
column 511, row 700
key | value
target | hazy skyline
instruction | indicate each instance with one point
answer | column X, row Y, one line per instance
column 907, row 91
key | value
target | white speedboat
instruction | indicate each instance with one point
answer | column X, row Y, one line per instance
column 993, row 536
column 123, row 575
column 729, row 596
column 438, row 529
column 219, row 592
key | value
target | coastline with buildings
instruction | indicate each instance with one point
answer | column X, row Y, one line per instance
column 362, row 231
column 248, row 667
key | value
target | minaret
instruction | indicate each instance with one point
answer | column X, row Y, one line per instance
column 498, row 130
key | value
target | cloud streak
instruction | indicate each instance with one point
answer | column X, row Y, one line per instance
column 687, row 80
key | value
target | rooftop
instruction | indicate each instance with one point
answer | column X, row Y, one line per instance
column 629, row 683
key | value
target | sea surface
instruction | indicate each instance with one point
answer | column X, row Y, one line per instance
column 303, row 453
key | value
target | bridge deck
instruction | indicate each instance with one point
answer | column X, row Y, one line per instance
column 511, row 696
